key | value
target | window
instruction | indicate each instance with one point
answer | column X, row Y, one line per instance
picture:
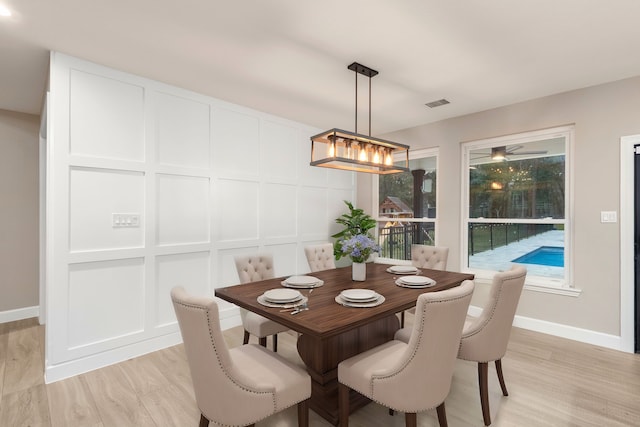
column 407, row 206
column 516, row 205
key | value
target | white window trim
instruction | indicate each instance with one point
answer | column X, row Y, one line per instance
column 375, row 189
column 534, row 283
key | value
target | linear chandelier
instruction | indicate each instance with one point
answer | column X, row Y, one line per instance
column 341, row 149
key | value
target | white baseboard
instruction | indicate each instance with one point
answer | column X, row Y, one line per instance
column 19, row 314
column 563, row 331
column 61, row 371
column 228, row 319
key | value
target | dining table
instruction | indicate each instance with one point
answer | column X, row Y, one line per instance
column 330, row 332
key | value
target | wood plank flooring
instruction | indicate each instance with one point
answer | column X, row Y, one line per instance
column 551, row 382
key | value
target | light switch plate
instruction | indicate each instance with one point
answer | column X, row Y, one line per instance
column 608, row 216
column 125, row 220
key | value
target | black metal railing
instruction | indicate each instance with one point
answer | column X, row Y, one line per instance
column 484, row 237
column 395, row 241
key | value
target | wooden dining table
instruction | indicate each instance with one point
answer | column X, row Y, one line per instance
column 331, row 332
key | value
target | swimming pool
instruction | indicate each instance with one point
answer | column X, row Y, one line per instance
column 545, row 255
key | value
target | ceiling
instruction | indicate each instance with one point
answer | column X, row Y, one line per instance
column 290, row 57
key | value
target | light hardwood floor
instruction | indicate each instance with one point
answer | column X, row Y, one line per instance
column 551, row 382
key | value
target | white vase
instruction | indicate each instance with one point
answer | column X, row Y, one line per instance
column 359, row 271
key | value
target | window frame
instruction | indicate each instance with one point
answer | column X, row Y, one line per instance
column 562, row 286
column 375, row 199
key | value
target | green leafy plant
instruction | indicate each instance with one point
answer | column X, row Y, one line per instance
column 355, row 222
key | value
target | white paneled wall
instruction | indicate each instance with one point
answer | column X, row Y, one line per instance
column 205, row 181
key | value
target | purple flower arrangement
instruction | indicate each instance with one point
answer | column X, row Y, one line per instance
column 359, row 247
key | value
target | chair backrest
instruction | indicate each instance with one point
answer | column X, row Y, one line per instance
column 320, row 257
column 433, row 257
column 423, row 372
column 252, row 268
column 486, row 338
column 220, row 386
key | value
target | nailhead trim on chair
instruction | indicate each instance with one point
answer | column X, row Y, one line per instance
column 241, row 386
column 422, row 325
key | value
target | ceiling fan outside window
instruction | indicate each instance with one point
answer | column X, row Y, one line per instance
column 502, row 153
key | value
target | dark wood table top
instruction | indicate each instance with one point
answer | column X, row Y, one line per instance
column 325, row 317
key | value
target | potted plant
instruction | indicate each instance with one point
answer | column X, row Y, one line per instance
column 355, row 222
column 355, row 241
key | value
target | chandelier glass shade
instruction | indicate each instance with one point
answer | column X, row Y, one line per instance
column 341, row 149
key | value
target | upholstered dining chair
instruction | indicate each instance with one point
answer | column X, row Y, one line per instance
column 421, row 368
column 238, row 386
column 320, row 257
column 485, row 338
column 252, row 268
column 425, row 256
column 433, row 257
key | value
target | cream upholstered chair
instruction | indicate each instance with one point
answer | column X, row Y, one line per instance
column 252, row 268
column 425, row 256
column 237, row 386
column 485, row 338
column 320, row 257
column 433, row 257
column 415, row 376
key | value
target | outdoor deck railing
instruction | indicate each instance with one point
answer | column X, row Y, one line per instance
column 484, row 237
column 395, row 241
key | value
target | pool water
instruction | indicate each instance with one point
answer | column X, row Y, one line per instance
column 545, row 255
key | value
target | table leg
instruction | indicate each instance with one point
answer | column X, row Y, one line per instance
column 322, row 357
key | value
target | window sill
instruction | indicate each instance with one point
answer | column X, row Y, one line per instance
column 536, row 284
column 549, row 289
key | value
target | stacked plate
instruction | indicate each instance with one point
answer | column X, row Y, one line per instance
column 304, row 282
column 415, row 282
column 283, row 298
column 359, row 298
column 402, row 269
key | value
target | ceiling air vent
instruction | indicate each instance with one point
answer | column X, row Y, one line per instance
column 439, row 102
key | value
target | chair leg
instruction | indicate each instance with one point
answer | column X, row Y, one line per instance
column 204, row 422
column 246, row 337
column 262, row 341
column 303, row 413
column 343, row 405
column 501, row 378
column 483, row 369
column 275, row 343
column 410, row 419
column 442, row 415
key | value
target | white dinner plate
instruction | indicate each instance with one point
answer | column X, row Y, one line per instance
column 282, row 296
column 262, row 300
column 402, row 269
column 415, row 280
column 426, row 285
column 302, row 282
column 358, row 294
column 379, row 300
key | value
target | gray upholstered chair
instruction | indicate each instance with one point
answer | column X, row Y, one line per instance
column 252, row 268
column 415, row 376
column 485, row 338
column 425, row 256
column 238, row 386
column 433, row 257
column 320, row 257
